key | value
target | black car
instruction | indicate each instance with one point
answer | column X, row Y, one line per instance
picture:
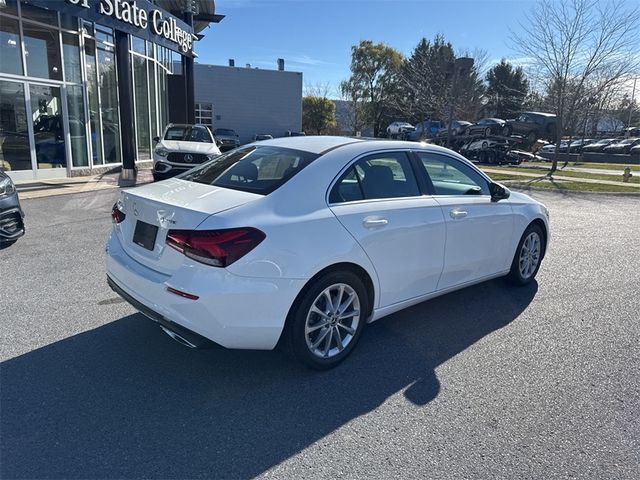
column 622, row 146
column 599, row 145
column 11, row 215
column 532, row 126
column 226, row 138
column 486, row 127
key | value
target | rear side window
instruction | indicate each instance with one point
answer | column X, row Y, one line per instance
column 255, row 169
column 382, row 175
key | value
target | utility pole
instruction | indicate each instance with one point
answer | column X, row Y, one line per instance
column 633, row 95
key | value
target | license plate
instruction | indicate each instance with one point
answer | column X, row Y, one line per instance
column 145, row 235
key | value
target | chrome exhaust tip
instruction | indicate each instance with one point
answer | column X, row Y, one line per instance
column 178, row 338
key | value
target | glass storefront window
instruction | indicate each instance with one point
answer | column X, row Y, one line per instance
column 152, row 99
column 109, row 105
column 9, row 6
column 38, row 14
column 15, row 153
column 92, row 95
column 72, row 67
column 138, row 45
column 142, row 106
column 75, row 107
column 104, row 34
column 68, row 22
column 42, row 51
column 48, row 129
column 10, row 58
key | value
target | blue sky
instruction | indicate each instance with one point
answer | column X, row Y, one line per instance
column 315, row 37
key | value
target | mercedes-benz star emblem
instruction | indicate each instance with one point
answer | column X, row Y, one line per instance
column 188, row 158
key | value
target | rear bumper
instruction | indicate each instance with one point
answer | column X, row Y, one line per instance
column 232, row 311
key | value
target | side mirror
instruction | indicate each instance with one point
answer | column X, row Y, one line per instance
column 156, row 139
column 498, row 192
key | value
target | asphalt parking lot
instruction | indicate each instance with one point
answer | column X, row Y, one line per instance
column 488, row 382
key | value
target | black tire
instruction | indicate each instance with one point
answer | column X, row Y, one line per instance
column 294, row 336
column 7, row 244
column 532, row 137
column 506, row 131
column 487, row 131
column 467, row 132
column 515, row 275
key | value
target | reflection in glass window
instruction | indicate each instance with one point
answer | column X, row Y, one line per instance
column 71, row 47
column 142, row 106
column 42, row 51
column 48, row 131
column 15, row 153
column 92, row 94
column 109, row 105
column 10, row 7
column 75, row 107
column 10, row 58
column 152, row 99
column 137, row 45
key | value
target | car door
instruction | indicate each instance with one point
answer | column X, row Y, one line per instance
column 380, row 202
column 479, row 230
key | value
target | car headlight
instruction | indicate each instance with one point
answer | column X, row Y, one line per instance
column 6, row 187
column 161, row 151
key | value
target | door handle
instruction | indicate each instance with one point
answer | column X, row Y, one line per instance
column 456, row 213
column 372, row 222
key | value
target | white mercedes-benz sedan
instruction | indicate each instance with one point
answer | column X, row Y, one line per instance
column 302, row 241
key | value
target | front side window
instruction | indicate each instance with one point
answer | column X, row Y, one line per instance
column 259, row 170
column 452, row 177
column 381, row 175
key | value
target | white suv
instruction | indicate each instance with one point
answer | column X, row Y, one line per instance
column 181, row 148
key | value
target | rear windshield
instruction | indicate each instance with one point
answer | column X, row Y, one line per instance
column 256, row 169
column 188, row 134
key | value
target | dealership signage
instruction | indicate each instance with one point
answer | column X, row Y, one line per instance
column 138, row 17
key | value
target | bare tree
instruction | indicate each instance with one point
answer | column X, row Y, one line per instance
column 571, row 43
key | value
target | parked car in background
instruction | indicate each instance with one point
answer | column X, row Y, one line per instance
column 11, row 215
column 631, row 132
column 458, row 127
column 303, row 241
column 532, row 126
column 181, row 148
column 227, row 138
column 599, row 145
column 486, row 127
column 635, row 150
column 551, row 147
column 424, row 130
column 295, row 134
column 577, row 145
column 261, row 136
column 396, row 129
column 622, row 146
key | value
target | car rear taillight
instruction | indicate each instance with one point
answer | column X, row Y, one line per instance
column 117, row 215
column 219, row 248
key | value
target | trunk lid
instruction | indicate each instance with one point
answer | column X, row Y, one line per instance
column 168, row 205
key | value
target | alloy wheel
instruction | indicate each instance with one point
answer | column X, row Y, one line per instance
column 332, row 320
column 529, row 255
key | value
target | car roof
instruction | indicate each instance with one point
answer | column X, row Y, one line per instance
column 311, row 144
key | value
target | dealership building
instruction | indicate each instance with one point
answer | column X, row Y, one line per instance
column 85, row 84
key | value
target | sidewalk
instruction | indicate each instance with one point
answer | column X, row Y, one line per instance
column 63, row 186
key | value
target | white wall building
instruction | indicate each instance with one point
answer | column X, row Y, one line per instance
column 248, row 100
